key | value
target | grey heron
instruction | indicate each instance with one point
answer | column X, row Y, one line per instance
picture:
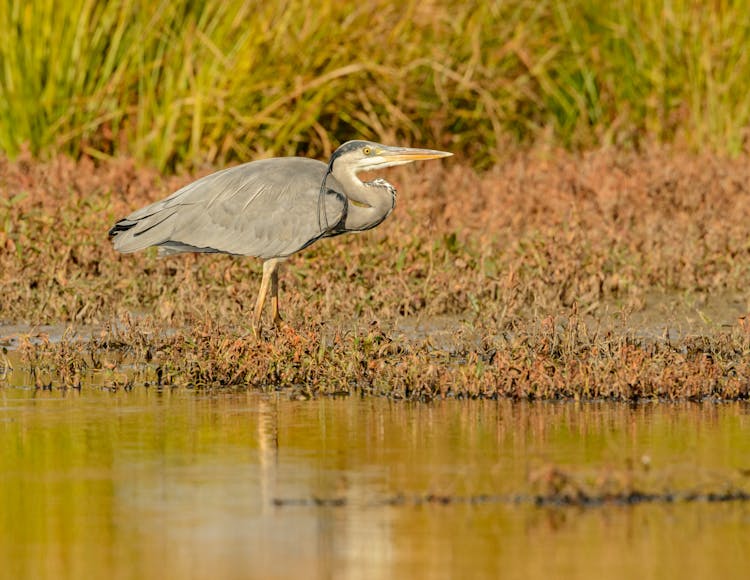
column 271, row 209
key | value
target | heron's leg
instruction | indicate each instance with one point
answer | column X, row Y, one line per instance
column 269, row 267
column 275, row 297
column 270, row 281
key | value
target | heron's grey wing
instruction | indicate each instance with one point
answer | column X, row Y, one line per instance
column 269, row 208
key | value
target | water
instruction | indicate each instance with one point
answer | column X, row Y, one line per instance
column 177, row 484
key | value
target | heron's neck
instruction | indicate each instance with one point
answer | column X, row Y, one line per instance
column 374, row 200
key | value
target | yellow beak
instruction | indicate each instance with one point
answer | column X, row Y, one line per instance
column 407, row 154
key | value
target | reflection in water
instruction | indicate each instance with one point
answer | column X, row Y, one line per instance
column 178, row 484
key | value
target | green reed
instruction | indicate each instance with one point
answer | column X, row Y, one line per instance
column 178, row 83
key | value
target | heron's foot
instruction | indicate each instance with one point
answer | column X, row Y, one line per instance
column 275, row 312
column 277, row 323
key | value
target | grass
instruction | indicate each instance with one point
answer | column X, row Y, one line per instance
column 547, row 364
column 540, row 268
column 184, row 84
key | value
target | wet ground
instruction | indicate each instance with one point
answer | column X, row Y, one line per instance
column 180, row 484
column 657, row 316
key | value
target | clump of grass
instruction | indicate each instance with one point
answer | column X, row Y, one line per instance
column 184, row 83
column 559, row 360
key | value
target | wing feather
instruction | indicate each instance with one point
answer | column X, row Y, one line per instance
column 267, row 208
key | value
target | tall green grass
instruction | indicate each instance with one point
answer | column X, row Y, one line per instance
column 180, row 82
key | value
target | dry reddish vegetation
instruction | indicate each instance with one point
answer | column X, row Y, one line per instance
column 521, row 255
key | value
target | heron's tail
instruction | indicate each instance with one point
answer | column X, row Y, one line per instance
column 121, row 226
column 142, row 229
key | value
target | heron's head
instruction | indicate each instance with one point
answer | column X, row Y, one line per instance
column 356, row 156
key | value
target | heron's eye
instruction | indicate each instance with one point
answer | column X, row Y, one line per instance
column 366, row 150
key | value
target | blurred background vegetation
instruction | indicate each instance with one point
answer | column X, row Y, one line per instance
column 181, row 83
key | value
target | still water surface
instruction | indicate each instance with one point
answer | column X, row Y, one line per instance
column 150, row 484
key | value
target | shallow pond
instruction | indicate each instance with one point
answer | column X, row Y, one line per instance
column 179, row 484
